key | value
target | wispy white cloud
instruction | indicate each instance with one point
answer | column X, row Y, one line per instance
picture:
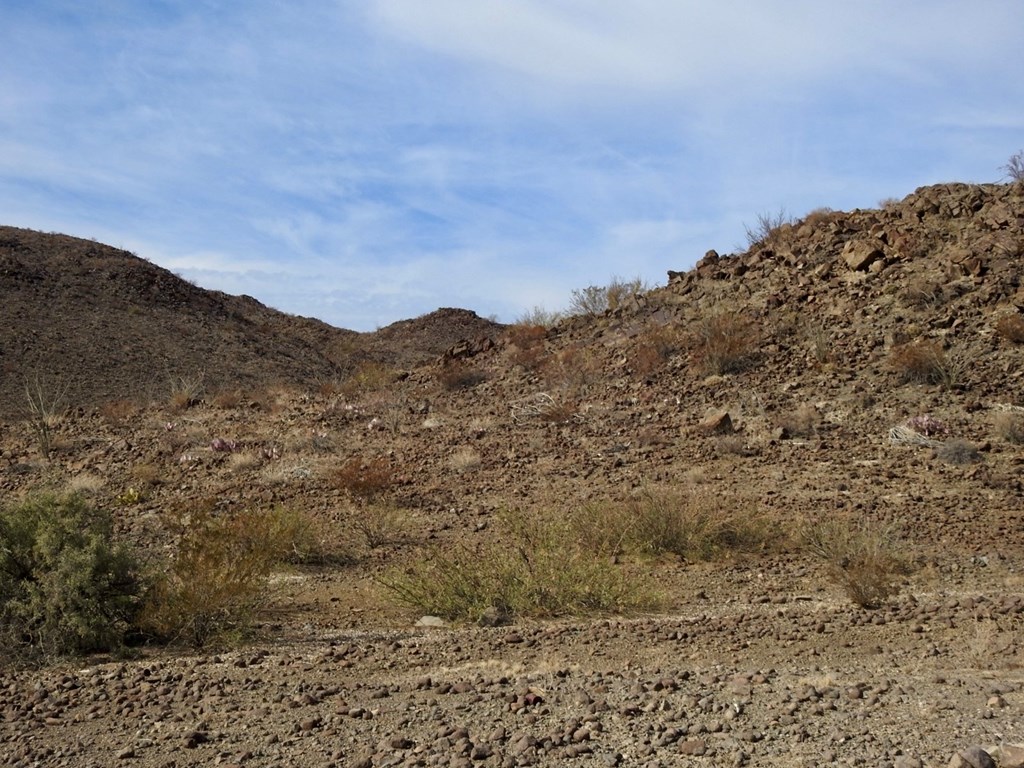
column 368, row 161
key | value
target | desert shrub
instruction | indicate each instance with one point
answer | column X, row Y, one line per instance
column 957, row 451
column 117, row 412
column 1014, row 167
column 866, row 559
column 926, row 362
column 1010, row 427
column 802, row 421
column 186, row 391
column 1011, row 328
column 65, row 587
column 768, row 231
column 369, row 376
column 653, row 348
column 458, row 375
column 465, row 459
column 572, row 369
column 598, row 299
column 724, row 342
column 538, row 317
column 535, row 567
column 378, row 523
column 216, row 581
column 44, row 405
column 923, row 293
column 364, row 479
column 545, row 409
column 227, row 399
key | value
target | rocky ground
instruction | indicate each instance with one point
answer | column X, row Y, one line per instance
column 755, row 659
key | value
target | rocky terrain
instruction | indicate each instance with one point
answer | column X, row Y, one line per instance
column 862, row 364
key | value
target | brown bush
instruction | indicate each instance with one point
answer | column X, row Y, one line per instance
column 653, row 348
column 725, row 342
column 1010, row 427
column 1011, row 328
column 364, row 479
column 370, row 376
column 460, row 375
column 926, row 362
column 117, row 412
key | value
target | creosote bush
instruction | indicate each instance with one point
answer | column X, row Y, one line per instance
column 534, row 567
column 867, row 560
column 216, row 581
column 65, row 587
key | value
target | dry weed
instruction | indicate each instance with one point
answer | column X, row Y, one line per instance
column 926, row 362
column 1010, row 426
column 725, row 342
column 465, row 459
column 364, row 480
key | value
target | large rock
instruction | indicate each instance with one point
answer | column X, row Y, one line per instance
column 861, row 254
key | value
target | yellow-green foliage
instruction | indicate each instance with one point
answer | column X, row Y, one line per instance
column 65, row 587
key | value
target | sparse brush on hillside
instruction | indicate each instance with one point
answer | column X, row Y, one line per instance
column 767, row 232
column 598, row 299
column 725, row 341
column 1014, row 167
column 927, row 362
column 44, row 405
column 65, row 586
column 539, row 317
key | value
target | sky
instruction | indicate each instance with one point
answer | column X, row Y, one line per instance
column 367, row 161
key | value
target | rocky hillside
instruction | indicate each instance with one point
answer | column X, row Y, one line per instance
column 105, row 325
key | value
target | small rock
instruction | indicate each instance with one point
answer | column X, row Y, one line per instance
column 430, row 621
column 972, row 757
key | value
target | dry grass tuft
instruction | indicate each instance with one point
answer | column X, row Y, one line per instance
column 364, row 480
column 725, row 342
column 1010, row 427
column 1011, row 328
column 867, row 560
column 926, row 362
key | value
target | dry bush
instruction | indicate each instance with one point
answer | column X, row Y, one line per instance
column 216, row 581
column 369, row 377
column 186, row 391
column 1010, row 427
column 691, row 524
column 769, row 231
column 958, row 452
column 867, row 560
column 465, row 459
column 458, row 375
column 1014, row 167
column 921, row 294
column 526, row 335
column 378, row 523
column 118, row 412
column 801, row 421
column 44, row 407
column 538, row 317
column 725, row 342
column 147, row 475
column 653, row 348
column 572, row 369
column 926, row 362
column 227, row 399
column 1011, row 328
column 534, row 567
column 364, row 480
column 545, row 409
column 596, row 299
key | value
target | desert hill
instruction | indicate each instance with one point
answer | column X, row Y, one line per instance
column 108, row 325
column 861, row 367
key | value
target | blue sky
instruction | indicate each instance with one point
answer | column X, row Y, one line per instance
column 366, row 161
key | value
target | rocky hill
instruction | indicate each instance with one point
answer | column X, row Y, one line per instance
column 860, row 366
column 102, row 325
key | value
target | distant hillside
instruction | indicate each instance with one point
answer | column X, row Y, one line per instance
column 109, row 325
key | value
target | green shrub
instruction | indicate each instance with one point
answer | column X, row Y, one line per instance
column 535, row 568
column 65, row 588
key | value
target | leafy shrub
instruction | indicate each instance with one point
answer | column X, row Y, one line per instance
column 725, row 342
column 64, row 586
column 535, row 567
column 598, row 299
column 1011, row 328
column 926, row 362
column 867, row 560
column 215, row 583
